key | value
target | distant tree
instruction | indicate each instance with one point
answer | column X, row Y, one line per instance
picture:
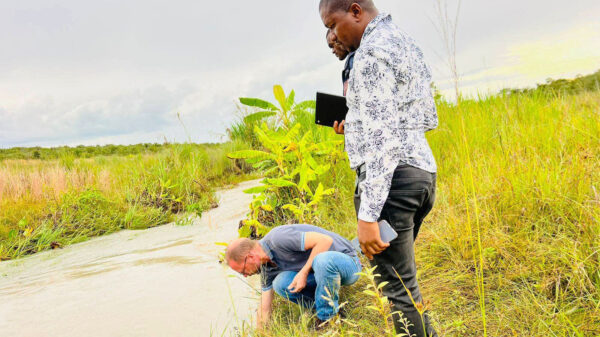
column 562, row 86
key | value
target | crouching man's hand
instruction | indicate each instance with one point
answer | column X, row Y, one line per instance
column 264, row 312
column 299, row 282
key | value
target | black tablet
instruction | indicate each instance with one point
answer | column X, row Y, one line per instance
column 330, row 108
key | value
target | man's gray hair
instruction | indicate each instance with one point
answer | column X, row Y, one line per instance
column 344, row 5
column 240, row 250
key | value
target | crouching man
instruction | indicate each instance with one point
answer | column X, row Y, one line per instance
column 302, row 263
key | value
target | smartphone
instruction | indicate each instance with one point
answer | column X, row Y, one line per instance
column 386, row 232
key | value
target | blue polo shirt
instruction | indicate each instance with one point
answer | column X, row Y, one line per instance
column 285, row 247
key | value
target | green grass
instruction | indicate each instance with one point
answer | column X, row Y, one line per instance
column 512, row 245
column 50, row 203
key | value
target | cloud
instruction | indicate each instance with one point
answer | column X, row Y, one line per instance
column 102, row 72
column 141, row 111
column 528, row 61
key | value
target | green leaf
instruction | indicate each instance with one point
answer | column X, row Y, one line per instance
column 280, row 96
column 259, row 199
column 306, row 138
column 12, row 234
column 311, row 161
column 272, row 170
column 302, row 184
column 329, row 191
column 326, row 146
column 266, row 141
column 262, row 230
column 321, row 169
column 370, row 293
column 319, row 193
column 257, row 102
column 244, row 231
column 258, row 116
column 291, row 207
column 382, row 284
column 259, row 164
column 278, row 182
column 22, row 223
column 267, row 208
column 294, row 209
column 293, row 133
column 256, row 190
column 290, row 99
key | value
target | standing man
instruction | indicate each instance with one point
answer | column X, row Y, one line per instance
column 390, row 107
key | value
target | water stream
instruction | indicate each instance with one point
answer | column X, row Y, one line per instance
column 163, row 281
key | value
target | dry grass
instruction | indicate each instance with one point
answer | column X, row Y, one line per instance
column 57, row 202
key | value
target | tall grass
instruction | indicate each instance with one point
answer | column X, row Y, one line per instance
column 512, row 245
column 46, row 204
column 534, row 165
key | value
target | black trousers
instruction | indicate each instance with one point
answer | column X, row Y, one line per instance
column 411, row 197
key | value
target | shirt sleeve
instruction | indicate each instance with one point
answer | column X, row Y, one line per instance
column 379, row 85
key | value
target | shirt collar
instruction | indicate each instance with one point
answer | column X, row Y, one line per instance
column 371, row 26
column 266, row 248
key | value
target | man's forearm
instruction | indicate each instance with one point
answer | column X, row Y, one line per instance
column 319, row 248
column 262, row 318
column 264, row 312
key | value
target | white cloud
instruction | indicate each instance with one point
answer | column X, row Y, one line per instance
column 119, row 72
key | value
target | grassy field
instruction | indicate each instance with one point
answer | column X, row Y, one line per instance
column 51, row 203
column 512, row 247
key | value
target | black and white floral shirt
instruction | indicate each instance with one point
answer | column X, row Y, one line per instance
column 390, row 107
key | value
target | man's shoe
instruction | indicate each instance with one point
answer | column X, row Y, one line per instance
column 320, row 325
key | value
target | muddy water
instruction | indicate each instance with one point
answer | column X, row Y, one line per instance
column 164, row 281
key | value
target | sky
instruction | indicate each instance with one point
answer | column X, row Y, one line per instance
column 119, row 72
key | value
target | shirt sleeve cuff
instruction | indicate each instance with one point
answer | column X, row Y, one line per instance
column 367, row 216
column 267, row 288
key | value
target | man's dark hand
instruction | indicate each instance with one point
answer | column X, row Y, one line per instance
column 339, row 128
column 370, row 239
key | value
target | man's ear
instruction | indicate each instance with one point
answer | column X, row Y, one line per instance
column 356, row 11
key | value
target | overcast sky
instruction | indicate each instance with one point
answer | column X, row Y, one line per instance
column 96, row 72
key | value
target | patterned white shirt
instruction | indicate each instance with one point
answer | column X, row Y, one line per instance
column 390, row 107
